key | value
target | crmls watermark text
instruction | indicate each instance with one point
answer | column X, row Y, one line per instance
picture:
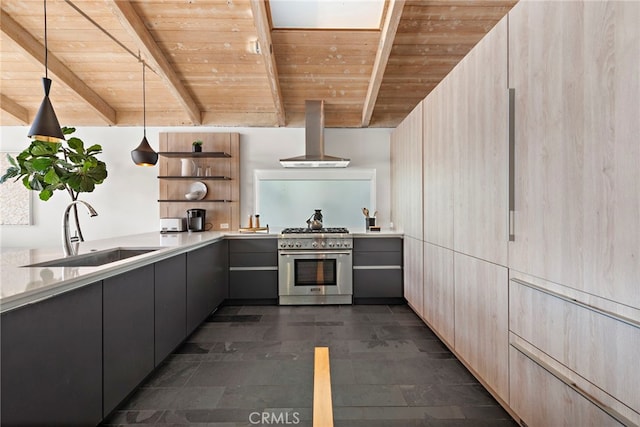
column 274, row 418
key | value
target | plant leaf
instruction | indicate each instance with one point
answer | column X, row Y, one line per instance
column 42, row 163
column 46, row 194
column 51, row 177
column 94, row 149
column 39, row 148
column 76, row 144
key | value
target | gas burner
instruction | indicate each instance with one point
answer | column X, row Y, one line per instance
column 303, row 230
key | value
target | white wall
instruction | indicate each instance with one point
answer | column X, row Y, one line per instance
column 127, row 201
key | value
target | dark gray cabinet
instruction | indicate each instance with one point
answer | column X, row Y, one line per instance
column 377, row 270
column 128, row 333
column 253, row 270
column 207, row 283
column 170, row 305
column 51, row 363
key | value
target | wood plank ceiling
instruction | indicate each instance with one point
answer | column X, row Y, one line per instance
column 205, row 68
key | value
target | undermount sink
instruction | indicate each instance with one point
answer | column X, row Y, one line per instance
column 94, row 259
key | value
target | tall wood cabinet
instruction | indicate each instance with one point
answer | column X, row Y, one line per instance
column 480, row 143
column 550, row 320
column 406, row 167
column 577, row 104
column 438, row 165
column 216, row 169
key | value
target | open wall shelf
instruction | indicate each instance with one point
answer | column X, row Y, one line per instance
column 221, row 156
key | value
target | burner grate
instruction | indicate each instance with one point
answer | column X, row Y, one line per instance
column 303, row 230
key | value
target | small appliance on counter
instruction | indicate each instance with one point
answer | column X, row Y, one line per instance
column 172, row 225
column 196, row 219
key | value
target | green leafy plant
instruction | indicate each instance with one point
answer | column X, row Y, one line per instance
column 197, row 143
column 46, row 167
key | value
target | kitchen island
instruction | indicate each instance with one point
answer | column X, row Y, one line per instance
column 78, row 339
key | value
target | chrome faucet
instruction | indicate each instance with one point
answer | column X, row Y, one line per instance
column 67, row 240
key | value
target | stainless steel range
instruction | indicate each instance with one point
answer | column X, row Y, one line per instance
column 315, row 266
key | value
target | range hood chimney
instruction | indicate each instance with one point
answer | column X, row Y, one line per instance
column 314, row 156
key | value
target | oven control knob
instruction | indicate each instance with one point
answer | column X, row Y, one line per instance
column 330, row 244
column 323, row 244
column 298, row 244
column 290, row 245
column 283, row 245
column 314, row 244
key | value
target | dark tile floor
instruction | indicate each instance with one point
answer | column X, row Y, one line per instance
column 248, row 362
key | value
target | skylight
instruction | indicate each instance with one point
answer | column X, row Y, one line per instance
column 327, row 14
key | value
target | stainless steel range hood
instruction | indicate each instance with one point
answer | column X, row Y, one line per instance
column 314, row 156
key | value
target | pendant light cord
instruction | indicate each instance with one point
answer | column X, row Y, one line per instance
column 46, row 49
column 144, row 102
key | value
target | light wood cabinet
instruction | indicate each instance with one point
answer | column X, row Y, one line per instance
column 220, row 156
column 577, row 103
column 439, row 291
column 480, row 143
column 438, row 165
column 594, row 343
column 406, row 169
column 543, row 399
column 413, row 274
column 481, row 320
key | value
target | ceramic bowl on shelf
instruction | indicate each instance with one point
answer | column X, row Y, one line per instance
column 194, row 195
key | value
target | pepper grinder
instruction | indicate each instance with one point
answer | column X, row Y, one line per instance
column 257, row 221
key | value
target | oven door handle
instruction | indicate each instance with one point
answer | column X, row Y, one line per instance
column 314, row 253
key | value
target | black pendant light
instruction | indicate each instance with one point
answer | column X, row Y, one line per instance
column 45, row 126
column 144, row 155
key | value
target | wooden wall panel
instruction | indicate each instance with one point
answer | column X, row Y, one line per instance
column 218, row 213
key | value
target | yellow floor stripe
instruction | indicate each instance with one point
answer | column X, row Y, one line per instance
column 322, row 405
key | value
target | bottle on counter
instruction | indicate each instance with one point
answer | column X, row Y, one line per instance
column 250, row 221
column 257, row 221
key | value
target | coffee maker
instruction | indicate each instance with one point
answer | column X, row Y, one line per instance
column 196, row 219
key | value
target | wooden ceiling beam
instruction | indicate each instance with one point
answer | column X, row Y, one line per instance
column 35, row 50
column 136, row 28
column 15, row 109
column 258, row 8
column 387, row 36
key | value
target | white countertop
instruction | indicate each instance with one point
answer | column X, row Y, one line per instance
column 20, row 285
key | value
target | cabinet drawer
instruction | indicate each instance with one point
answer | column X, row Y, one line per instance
column 377, row 244
column 542, row 397
column 256, row 259
column 377, row 258
column 253, row 284
column 377, row 284
column 594, row 344
column 253, row 245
